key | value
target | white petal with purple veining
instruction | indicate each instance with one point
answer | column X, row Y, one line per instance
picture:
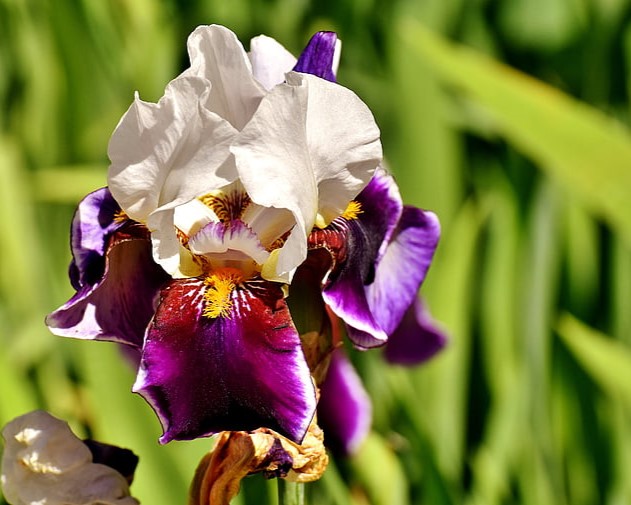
column 192, row 216
column 234, row 241
column 269, row 223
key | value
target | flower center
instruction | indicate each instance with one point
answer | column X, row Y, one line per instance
column 217, row 297
column 353, row 210
column 227, row 206
column 120, row 216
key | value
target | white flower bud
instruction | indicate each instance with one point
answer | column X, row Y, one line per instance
column 44, row 463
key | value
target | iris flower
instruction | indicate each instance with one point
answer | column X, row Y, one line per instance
column 211, row 195
column 246, row 170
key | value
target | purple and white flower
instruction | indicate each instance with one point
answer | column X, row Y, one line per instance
column 217, row 195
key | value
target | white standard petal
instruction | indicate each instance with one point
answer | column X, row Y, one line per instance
column 217, row 55
column 269, row 223
column 170, row 151
column 192, row 216
column 310, row 148
column 270, row 61
column 166, row 245
column 343, row 143
column 274, row 167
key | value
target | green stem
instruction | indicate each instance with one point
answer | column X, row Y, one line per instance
column 290, row 493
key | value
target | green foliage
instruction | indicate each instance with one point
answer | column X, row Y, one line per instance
column 509, row 119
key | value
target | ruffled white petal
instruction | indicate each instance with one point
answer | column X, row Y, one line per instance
column 192, row 216
column 343, row 143
column 168, row 250
column 168, row 152
column 311, row 147
column 217, row 55
column 274, row 166
column 302, row 149
column 166, row 245
column 270, row 61
column 268, row 223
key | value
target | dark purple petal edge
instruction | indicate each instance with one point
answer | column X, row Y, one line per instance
column 317, row 56
column 417, row 339
column 92, row 224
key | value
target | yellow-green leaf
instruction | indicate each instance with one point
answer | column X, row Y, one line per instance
column 588, row 152
column 607, row 360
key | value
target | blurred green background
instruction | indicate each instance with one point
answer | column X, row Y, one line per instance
column 530, row 176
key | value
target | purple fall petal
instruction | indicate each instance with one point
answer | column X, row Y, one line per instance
column 344, row 410
column 417, row 338
column 380, row 259
column 92, row 224
column 119, row 306
column 242, row 372
column 317, row 58
column 364, row 240
column 344, row 291
column 381, row 209
column 404, row 266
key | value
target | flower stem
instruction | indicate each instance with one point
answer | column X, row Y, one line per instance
column 291, row 493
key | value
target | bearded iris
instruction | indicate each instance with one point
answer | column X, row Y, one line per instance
column 217, row 197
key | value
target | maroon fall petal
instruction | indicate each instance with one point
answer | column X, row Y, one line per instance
column 243, row 371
